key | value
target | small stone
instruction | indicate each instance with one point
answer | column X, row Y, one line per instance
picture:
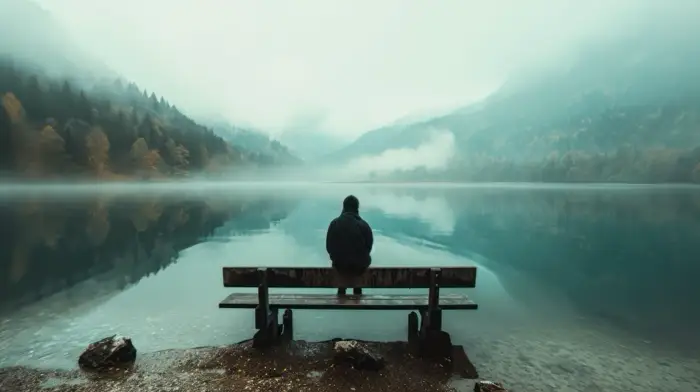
column 108, row 353
column 489, row 386
column 358, row 355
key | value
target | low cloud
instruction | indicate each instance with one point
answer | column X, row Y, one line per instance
column 434, row 154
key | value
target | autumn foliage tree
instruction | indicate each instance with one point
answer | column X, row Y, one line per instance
column 178, row 156
column 53, row 147
column 98, row 150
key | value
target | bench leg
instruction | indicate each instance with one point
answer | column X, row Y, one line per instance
column 413, row 333
column 435, row 319
column 268, row 334
column 412, row 327
column 274, row 328
column 431, row 320
column 288, row 325
column 433, row 343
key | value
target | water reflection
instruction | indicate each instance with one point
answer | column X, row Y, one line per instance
column 50, row 245
column 626, row 257
column 573, row 282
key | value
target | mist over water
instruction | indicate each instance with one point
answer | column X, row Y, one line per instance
column 579, row 287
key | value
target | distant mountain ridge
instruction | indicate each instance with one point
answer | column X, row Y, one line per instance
column 257, row 144
column 309, row 144
column 635, row 94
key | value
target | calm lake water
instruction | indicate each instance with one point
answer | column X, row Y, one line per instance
column 590, row 288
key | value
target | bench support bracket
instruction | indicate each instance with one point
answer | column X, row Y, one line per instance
column 413, row 332
column 431, row 319
column 288, row 325
column 426, row 340
column 265, row 318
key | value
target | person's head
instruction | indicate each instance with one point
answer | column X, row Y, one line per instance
column 351, row 204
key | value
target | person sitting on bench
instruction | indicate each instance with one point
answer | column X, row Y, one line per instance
column 349, row 242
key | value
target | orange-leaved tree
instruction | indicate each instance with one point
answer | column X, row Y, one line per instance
column 97, row 145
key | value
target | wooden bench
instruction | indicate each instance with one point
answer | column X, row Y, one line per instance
column 267, row 305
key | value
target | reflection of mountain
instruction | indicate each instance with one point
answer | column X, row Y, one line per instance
column 627, row 256
column 51, row 246
column 317, row 214
column 258, row 217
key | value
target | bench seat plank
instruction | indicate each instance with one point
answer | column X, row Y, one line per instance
column 333, row 301
column 327, row 277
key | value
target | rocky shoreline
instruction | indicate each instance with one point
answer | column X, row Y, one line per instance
column 294, row 366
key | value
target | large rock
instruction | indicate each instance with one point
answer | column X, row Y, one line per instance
column 108, row 353
column 489, row 386
column 358, row 355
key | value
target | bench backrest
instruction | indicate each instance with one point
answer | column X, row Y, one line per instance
column 327, row 277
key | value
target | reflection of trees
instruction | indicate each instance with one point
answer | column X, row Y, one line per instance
column 250, row 218
column 48, row 246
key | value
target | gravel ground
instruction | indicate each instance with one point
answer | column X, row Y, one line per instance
column 297, row 366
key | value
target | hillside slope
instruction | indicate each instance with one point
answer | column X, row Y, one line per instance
column 256, row 145
column 51, row 128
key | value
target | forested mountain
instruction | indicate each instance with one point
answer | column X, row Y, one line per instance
column 52, row 127
column 624, row 111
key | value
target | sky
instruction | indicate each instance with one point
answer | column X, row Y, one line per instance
column 339, row 67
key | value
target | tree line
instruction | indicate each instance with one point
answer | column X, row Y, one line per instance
column 626, row 165
column 637, row 144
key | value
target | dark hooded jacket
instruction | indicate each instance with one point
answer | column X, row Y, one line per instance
column 349, row 242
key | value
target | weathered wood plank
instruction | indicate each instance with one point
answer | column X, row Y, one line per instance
column 327, row 277
column 333, row 301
